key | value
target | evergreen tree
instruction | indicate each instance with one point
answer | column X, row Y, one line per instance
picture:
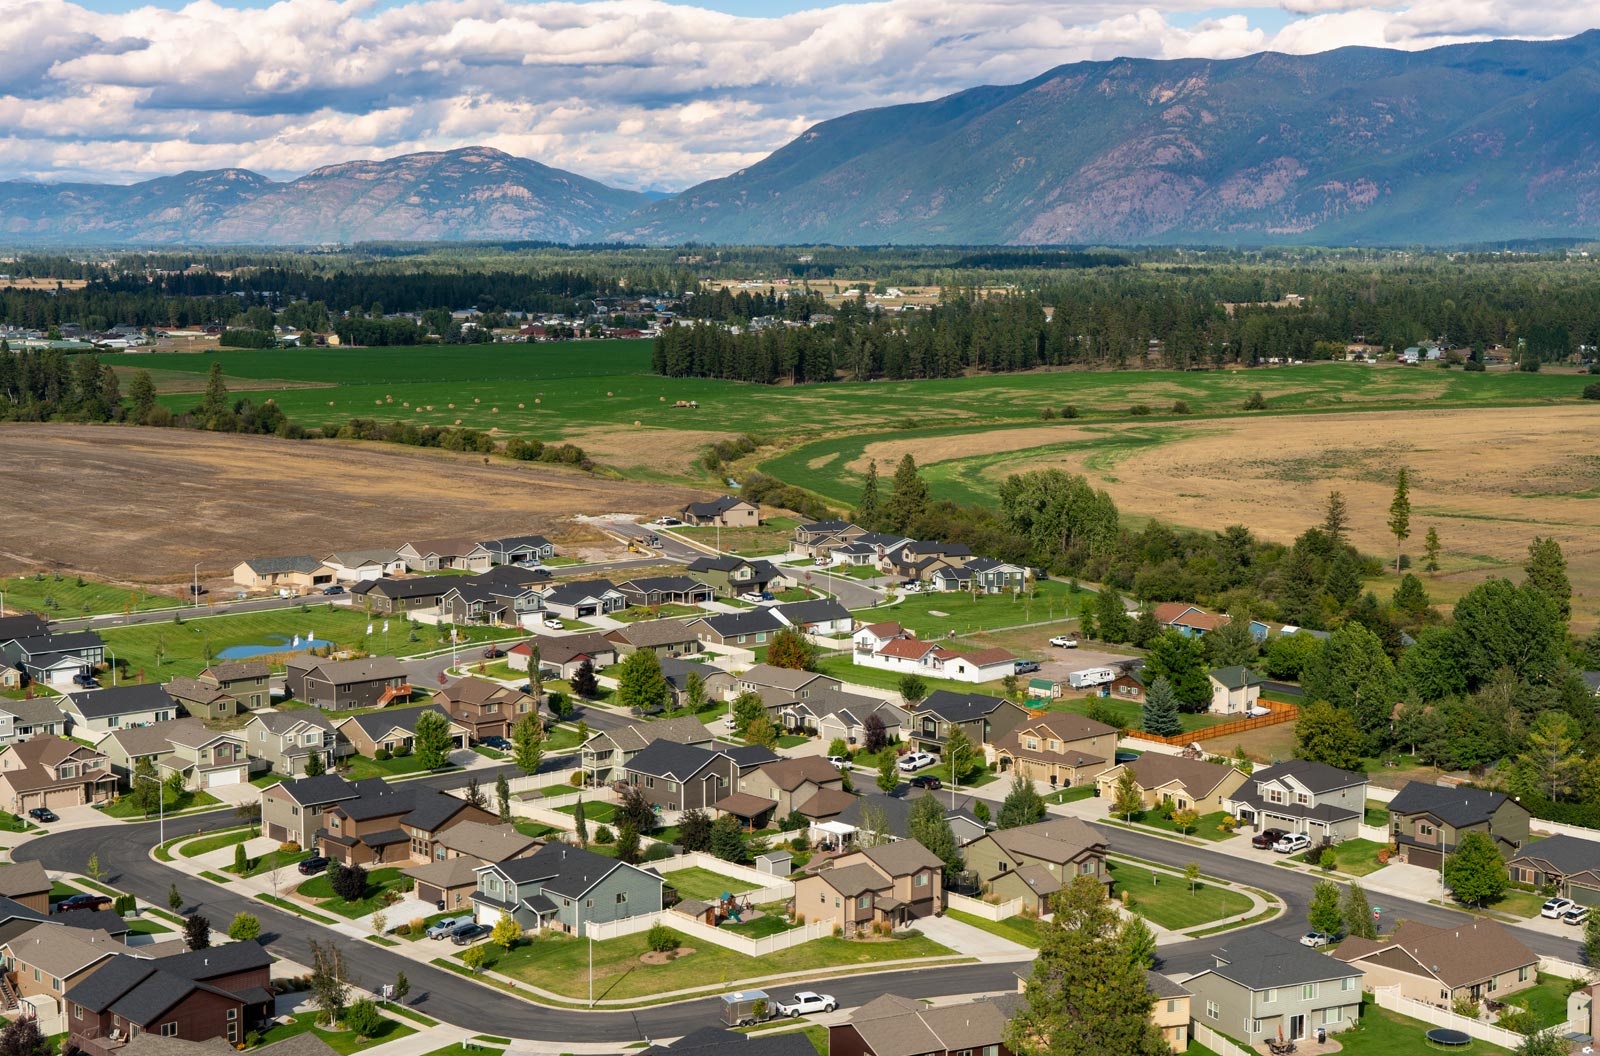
column 1400, row 513
column 694, row 830
column 1111, row 615
column 1411, row 599
column 1344, row 578
column 908, row 496
column 1146, row 628
column 1232, row 643
column 930, row 827
column 584, row 684
column 213, row 412
column 868, row 511
column 1358, row 913
column 959, row 755
column 627, row 843
column 315, row 766
column 913, row 688
column 1546, row 571
column 142, row 393
column 502, row 797
column 1159, row 715
column 1336, row 517
column 1022, row 806
column 1430, row 547
column 727, row 839
column 580, row 822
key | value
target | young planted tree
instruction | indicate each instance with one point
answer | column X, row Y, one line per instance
column 241, row 860
column 1191, row 873
column 174, row 900
column 475, row 796
column 694, row 692
column 245, row 926
column 97, row 872
column 315, row 767
column 1127, row 799
column 1140, row 941
column 641, row 687
column 506, row 932
column 762, row 731
column 888, row 775
column 527, row 743
column 196, row 932
column 959, row 755
column 432, row 740
column 1358, row 920
column 1430, row 550
column 1022, row 806
column 1185, row 820
column 1325, row 915
column 474, row 957
column 580, row 823
column 634, row 809
column 363, row 1019
column 1400, row 514
column 929, row 827
column 145, row 786
column 402, row 987
column 502, row 796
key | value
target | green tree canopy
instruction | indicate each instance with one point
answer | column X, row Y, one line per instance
column 1504, row 625
column 1178, row 660
column 1022, row 806
column 1475, row 872
column 1325, row 734
column 1355, row 675
column 929, row 827
column 1159, row 713
column 640, row 683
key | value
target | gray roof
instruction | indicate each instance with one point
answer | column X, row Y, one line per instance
column 343, row 672
column 897, row 810
column 33, row 712
column 752, row 621
column 140, row 990
column 677, row 671
column 571, row 593
column 1567, row 855
column 649, row 633
column 415, row 805
column 748, row 755
column 324, row 788
column 783, row 678
column 514, row 542
column 23, row 878
column 714, row 507
column 120, row 700
column 420, row 587
column 1318, row 777
column 1453, row 806
column 62, row 642
column 22, row 625
column 1163, row 986
column 562, row 868
column 669, row 759
column 664, row 585
column 377, row 723
column 279, row 721
column 959, row 707
column 237, row 669
column 352, row 558
column 712, row 1041
column 266, row 566
column 1261, row 960
column 817, row 610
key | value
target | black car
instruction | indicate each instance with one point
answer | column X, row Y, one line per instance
column 1267, row 837
column 43, row 814
column 197, row 590
column 1027, row 667
column 499, row 743
column 86, row 680
column 335, row 589
column 467, row 934
column 926, row 781
column 72, row 902
column 493, row 652
column 315, row 864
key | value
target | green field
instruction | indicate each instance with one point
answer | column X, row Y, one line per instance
column 1167, row 900
column 1049, row 600
column 64, row 597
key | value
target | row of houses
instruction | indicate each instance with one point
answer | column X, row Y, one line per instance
column 31, row 652
column 940, row 566
column 305, row 572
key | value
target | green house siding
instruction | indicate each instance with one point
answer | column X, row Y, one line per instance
column 625, row 893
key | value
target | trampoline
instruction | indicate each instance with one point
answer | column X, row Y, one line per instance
column 1445, row 1038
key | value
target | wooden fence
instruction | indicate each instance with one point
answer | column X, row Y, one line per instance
column 1280, row 712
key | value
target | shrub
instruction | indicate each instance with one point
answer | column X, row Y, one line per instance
column 661, row 938
column 363, row 1018
column 1069, row 411
column 289, row 848
column 576, row 780
column 1472, row 366
column 1592, row 391
column 382, row 755
column 604, row 836
column 1180, row 407
column 1255, row 402
column 1048, row 413
column 1139, row 410
column 404, row 750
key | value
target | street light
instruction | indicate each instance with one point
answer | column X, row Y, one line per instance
column 194, row 590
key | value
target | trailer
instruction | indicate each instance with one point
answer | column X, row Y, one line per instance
column 1091, row 676
column 745, row 1008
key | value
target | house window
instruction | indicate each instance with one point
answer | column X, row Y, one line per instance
column 1033, row 745
column 1349, row 983
column 1212, row 1011
column 1424, row 829
column 991, row 1050
column 1522, row 974
column 864, row 902
column 672, row 786
column 233, row 1013
column 55, row 984
column 588, row 903
column 1252, row 1026
column 1494, row 984
column 622, row 898
column 1172, row 1004
column 1308, row 992
column 77, row 1011
column 169, row 1030
column 1332, row 1015
column 921, row 880
column 1269, row 997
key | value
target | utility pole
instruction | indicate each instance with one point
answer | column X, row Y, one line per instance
column 194, row 590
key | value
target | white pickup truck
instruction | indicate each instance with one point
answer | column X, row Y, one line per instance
column 806, row 1002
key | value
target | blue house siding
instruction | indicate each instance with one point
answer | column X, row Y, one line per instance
column 625, row 893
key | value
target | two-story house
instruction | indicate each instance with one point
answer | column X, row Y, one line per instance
column 341, row 685
column 731, row 575
column 1428, row 821
column 890, row 1025
column 37, row 717
column 388, row 824
column 450, row 878
column 893, row 883
column 1033, row 862
column 53, row 772
column 564, row 888
column 203, row 758
column 26, row 884
column 747, row 630
column 401, row 597
column 393, row 729
column 814, row 540
column 790, row 783
column 484, row 708
column 1322, row 801
column 983, row 719
column 1235, row 690
column 246, row 681
column 47, row 960
column 94, row 713
column 55, row 659
column 980, row 575
column 471, row 603
column 864, row 551
column 292, row 811
column 847, row 716
column 676, row 776
column 726, row 512
column 778, row 686
column 284, row 741
column 1262, row 985
column 605, row 754
column 580, row 599
column 201, row 699
column 1060, row 747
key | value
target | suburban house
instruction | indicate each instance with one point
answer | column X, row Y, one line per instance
column 26, row 884
column 1235, row 690
column 604, row 755
column 519, row 549
column 450, row 878
column 843, row 715
column 913, row 656
column 748, row 629
column 1322, row 801
column 875, row 636
column 433, row 555
column 386, row 824
column 892, row 883
column 714, row 1041
column 1172, row 1010
column 864, row 551
column 96, row 712
column 490, row 604
column 983, row 719
column 895, row 813
column 1059, row 747
column 53, row 772
column 714, row 681
column 563, row 655
column 355, row 566
column 726, row 512
column 890, row 1025
column 1569, row 864
column 788, row 784
column 203, row 700
column 564, row 888
column 46, row 959
column 575, row 600
column 397, row 597
column 246, row 681
column 292, row 811
column 1480, row 959
column 22, row 625
column 816, row 539
column 1428, row 821
column 219, row 992
column 393, row 729
column 203, row 758
column 666, row 590
column 1262, row 985
column 22, row 719
column 919, row 558
column 777, row 686
column 1033, row 862
column 1185, row 783
column 824, row 616
column 676, row 776
column 55, row 659
column 665, row 638
column 11, row 677
column 737, row 575
column 300, row 573
column 340, row 685
column 1127, row 686
column 484, row 708
column 1191, row 621
column 981, row 575
column 283, row 741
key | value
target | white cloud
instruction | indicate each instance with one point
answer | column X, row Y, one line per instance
column 638, row 93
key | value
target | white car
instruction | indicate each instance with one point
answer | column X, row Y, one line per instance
column 1576, row 915
column 1061, row 641
column 916, row 761
column 1295, row 841
column 805, row 1002
column 1555, row 907
column 839, row 762
column 666, row 522
column 554, row 623
column 1316, row 939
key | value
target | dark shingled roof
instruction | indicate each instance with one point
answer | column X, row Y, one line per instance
column 1261, row 960
column 119, row 700
column 324, row 788
column 1453, row 806
column 671, row 760
column 959, row 707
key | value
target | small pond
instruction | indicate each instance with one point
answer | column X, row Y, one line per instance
column 276, row 643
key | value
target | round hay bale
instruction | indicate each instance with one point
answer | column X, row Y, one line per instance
column 378, row 402
column 330, row 403
column 458, row 421
column 407, row 403
column 538, row 401
column 494, row 410
column 637, row 422
column 430, row 406
column 521, row 406
column 610, row 393
column 476, row 400
column 662, row 399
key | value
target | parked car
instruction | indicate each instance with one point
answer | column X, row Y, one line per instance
column 911, row 586
column 1295, row 841
column 335, row 589
column 72, row 902
column 752, row 596
column 497, row 743
column 1061, row 641
column 493, row 652
column 1576, row 915
column 467, row 934
column 443, row 928
column 86, row 680
column 913, row 761
column 806, row 1002
column 926, row 781
column 1317, row 939
column 839, row 762
column 1267, row 837
column 667, row 522
column 197, row 590
column 43, row 814
column 313, row 865
column 1555, row 907
column 1027, row 667
column 553, row 623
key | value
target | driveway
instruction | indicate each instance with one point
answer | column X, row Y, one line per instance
column 971, row 941
column 1061, row 662
column 238, row 794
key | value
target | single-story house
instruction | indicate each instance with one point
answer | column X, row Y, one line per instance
column 519, row 549
column 824, row 616
column 562, row 655
column 1478, row 959
column 1570, row 864
column 299, row 573
column 575, row 600
column 432, row 555
column 356, row 566
column 1186, row 783
column 666, row 590
column 663, row 637
column 913, row 656
column 394, row 729
column 726, row 512
column 397, row 597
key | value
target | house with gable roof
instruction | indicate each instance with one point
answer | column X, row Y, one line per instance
column 605, row 755
column 356, row 566
column 890, row 1025
column 1477, row 960
column 432, row 555
column 299, row 573
column 933, row 660
column 824, row 616
column 53, row 772
column 1324, row 802
column 675, row 776
column 1570, row 864
column 201, row 757
column 893, row 883
column 1060, row 747
column 1428, row 821
column 342, row 685
column 388, row 824
column 519, row 549
column 1262, row 985
column 564, row 888
column 983, row 719
column 284, row 741
column 726, row 512
column 394, row 729
column 1185, row 783
column 1235, row 690
column 1033, row 862
column 96, row 712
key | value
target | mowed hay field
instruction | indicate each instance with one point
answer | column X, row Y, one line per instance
column 139, row 505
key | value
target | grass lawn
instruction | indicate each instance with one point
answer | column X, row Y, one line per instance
column 1167, row 901
column 1071, row 795
column 1384, row 1033
column 772, row 537
column 1024, row 931
column 270, row 861
column 1547, row 1000
column 532, row 829
column 561, row 739
column 792, row 740
column 1377, row 814
column 13, row 823
column 379, row 881
column 148, row 927
column 268, row 779
column 1209, row 827
column 341, row 1041
column 123, row 807
column 593, row 813
column 771, row 922
column 64, row 597
column 840, row 667
column 560, row 964
column 195, row 848
column 705, row 885
column 1519, row 904
column 358, row 767
column 964, row 613
column 663, row 612
column 1358, row 857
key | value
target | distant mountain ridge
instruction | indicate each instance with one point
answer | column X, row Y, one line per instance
column 1471, row 143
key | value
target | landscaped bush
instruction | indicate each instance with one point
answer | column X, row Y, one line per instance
column 404, row 750
column 604, row 836
column 661, row 938
column 291, row 847
column 382, row 755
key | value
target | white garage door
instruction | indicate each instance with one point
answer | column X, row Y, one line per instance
column 224, row 777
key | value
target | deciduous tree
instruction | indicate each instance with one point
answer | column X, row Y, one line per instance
column 913, row 689
column 196, row 932
column 506, row 932
column 1475, row 872
column 527, row 743
column 694, row 830
column 640, row 685
column 432, row 740
column 1127, row 800
column 245, row 926
column 1178, row 660
column 888, row 775
column 1324, row 734
column 929, row 827
column 1022, row 806
column 1358, row 919
column 1325, row 915
column 791, row 650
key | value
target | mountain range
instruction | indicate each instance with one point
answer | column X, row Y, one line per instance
column 1466, row 143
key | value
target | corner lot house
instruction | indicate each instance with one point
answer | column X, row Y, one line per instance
column 283, row 741
column 562, row 656
column 394, row 729
column 53, row 772
column 983, row 719
column 484, row 708
column 458, row 851
column 1321, row 801
column 47, row 960
column 1059, row 747
column 340, row 685
column 1206, row 787
column 890, row 1025
column 1262, row 985
column 96, row 712
column 1234, row 691
column 892, row 883
column 1568, row 863
column 1033, row 862
column 300, row 573
column 204, row 758
column 564, row 888
column 726, row 512
column 1428, row 821
column 681, row 776
column 1479, row 959
column 605, row 755
column 291, row 811
column 386, row 824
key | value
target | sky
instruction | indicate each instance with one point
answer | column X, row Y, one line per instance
column 644, row 94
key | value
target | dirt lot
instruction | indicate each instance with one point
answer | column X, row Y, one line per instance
column 137, row 505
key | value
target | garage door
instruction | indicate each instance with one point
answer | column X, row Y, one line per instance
column 224, row 777
column 1585, row 896
column 278, row 832
column 1428, row 859
column 64, row 797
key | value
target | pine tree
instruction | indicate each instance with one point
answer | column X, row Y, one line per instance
column 527, row 743
column 869, row 512
column 315, row 766
column 908, row 497
column 1547, row 570
column 1358, row 913
column 1111, row 615
column 580, row 823
column 502, row 795
column 142, row 393
column 1159, row 715
column 213, row 410
column 1400, row 513
column 1430, row 547
column 1336, row 517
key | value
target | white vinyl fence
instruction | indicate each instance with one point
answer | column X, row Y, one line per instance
column 979, row 908
column 1389, row 997
column 1217, row 1043
column 694, row 931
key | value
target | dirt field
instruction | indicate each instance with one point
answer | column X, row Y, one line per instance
column 143, row 505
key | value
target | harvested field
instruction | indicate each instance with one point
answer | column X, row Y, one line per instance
column 142, row 505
